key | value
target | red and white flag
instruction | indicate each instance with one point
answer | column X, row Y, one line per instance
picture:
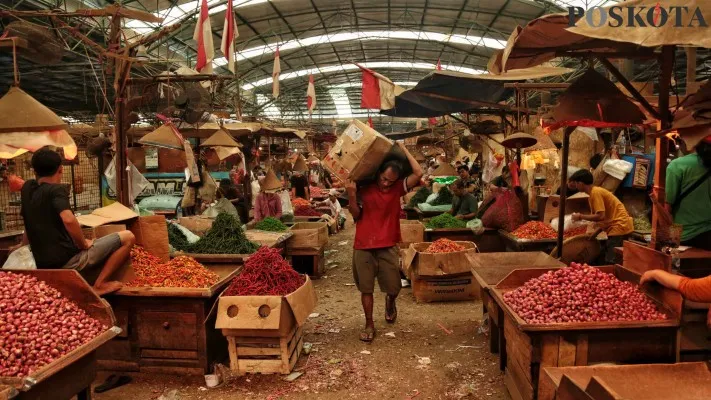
column 275, row 74
column 311, row 95
column 439, row 64
column 378, row 91
column 203, row 37
column 229, row 33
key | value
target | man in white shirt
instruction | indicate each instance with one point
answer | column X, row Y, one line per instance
column 335, row 206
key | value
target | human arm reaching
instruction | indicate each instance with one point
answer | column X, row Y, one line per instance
column 353, row 206
column 414, row 178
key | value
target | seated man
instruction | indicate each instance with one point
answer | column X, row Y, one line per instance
column 336, row 209
column 464, row 205
column 54, row 234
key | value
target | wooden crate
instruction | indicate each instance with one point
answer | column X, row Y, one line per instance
column 487, row 242
column 488, row 270
column 102, row 230
column 167, row 330
column 309, row 261
column 424, row 265
column 530, row 347
column 411, row 231
column 265, row 355
column 307, row 235
column 684, row 381
column 73, row 373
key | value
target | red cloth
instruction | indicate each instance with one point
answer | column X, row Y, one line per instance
column 379, row 223
column 267, row 205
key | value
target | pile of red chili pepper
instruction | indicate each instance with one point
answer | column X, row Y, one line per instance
column 306, row 211
column 299, row 202
column 444, row 246
column 317, row 192
column 182, row 271
column 265, row 273
column 537, row 230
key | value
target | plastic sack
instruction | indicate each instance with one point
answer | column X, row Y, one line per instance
column 476, row 226
column 15, row 183
column 506, row 212
column 192, row 238
column 493, row 168
column 286, row 207
column 568, row 223
column 138, row 183
column 159, row 202
column 222, row 205
column 431, row 198
column 617, row 168
column 21, row 258
column 429, row 207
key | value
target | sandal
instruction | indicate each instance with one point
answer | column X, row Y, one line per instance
column 390, row 314
column 367, row 335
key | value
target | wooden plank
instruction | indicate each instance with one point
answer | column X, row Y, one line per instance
column 518, row 377
column 216, row 258
column 226, row 271
column 568, row 390
column 168, row 330
column 247, row 366
column 232, row 351
column 581, row 350
column 171, row 354
column 599, row 390
column 567, row 351
column 257, row 351
column 511, row 387
column 518, row 350
column 640, row 258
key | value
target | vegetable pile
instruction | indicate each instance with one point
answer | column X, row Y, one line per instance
column 444, row 245
column 307, row 211
column 271, row 224
column 537, row 230
column 317, row 192
column 265, row 273
column 445, row 220
column 176, row 237
column 444, row 196
column 419, row 197
column 182, row 271
column 224, row 237
column 38, row 325
column 580, row 293
column 299, row 202
column 642, row 224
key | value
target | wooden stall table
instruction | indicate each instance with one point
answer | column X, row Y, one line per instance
column 684, row 381
column 307, row 246
column 488, row 270
column 487, row 242
column 513, row 243
column 275, row 240
column 167, row 330
column 72, row 374
column 532, row 347
column 693, row 262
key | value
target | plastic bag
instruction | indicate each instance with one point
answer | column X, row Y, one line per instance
column 506, row 212
column 192, row 238
column 138, row 183
column 429, row 207
column 568, row 223
column 493, row 167
column 286, row 207
column 476, row 226
column 222, row 205
column 21, row 258
column 617, row 168
column 431, row 198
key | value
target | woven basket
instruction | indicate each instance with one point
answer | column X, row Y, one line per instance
column 582, row 249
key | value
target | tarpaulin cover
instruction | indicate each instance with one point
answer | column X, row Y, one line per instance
column 668, row 33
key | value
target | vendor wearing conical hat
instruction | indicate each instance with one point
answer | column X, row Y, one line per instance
column 268, row 202
column 299, row 182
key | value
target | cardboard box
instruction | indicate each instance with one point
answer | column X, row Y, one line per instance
column 152, row 234
column 421, row 264
column 115, row 212
column 196, row 224
column 102, row 230
column 265, row 316
column 411, row 231
column 308, row 235
column 358, row 152
column 455, row 288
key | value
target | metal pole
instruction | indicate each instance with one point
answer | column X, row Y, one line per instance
column 563, row 188
column 74, row 186
column 121, row 162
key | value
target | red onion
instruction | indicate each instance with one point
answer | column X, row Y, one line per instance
column 580, row 293
column 38, row 325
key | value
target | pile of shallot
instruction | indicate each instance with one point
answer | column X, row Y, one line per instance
column 580, row 293
column 38, row 325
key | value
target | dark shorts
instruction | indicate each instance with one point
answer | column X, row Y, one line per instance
column 381, row 263
column 87, row 260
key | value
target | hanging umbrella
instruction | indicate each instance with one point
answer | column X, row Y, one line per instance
column 680, row 27
column 27, row 125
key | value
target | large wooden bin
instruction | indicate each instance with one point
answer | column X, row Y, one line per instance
column 73, row 373
column 531, row 347
column 167, row 330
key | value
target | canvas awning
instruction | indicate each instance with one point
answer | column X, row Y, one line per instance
column 545, row 38
column 668, row 33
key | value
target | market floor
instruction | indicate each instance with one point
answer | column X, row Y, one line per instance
column 394, row 366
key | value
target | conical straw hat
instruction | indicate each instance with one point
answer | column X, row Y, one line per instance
column 220, row 138
column 162, row 137
column 312, row 158
column 271, row 183
column 444, row 170
column 22, row 113
column 300, row 165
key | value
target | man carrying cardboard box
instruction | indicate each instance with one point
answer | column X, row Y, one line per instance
column 376, row 210
column 54, row 234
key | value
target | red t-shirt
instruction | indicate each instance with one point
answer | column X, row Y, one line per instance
column 379, row 223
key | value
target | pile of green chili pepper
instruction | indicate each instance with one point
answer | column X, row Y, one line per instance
column 444, row 196
column 445, row 220
column 419, row 197
column 224, row 237
column 271, row 224
column 177, row 238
